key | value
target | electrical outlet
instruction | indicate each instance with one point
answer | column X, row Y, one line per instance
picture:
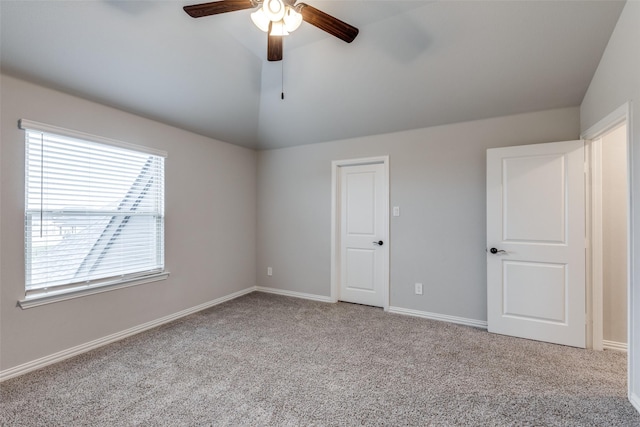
column 269, row 271
column 418, row 288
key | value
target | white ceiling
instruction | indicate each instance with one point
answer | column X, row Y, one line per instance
column 414, row 64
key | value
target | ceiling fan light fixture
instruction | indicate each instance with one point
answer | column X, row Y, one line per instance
column 277, row 18
column 260, row 19
column 278, row 29
column 274, row 9
column 292, row 19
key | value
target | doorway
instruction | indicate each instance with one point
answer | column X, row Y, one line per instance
column 554, row 312
column 360, row 231
column 621, row 116
column 609, row 238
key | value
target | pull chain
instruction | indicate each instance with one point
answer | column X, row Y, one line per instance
column 282, row 82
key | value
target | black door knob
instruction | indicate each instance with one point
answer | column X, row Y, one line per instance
column 379, row 243
column 493, row 250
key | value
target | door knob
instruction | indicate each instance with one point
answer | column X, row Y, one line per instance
column 497, row 251
column 379, row 243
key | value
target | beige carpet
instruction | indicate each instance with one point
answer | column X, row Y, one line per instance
column 272, row 360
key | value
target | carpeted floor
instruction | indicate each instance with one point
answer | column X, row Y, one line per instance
column 270, row 360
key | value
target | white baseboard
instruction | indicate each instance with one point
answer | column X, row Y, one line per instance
column 398, row 310
column 613, row 345
column 635, row 401
column 441, row 317
column 83, row 348
column 302, row 295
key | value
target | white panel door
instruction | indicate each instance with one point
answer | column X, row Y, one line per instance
column 536, row 242
column 363, row 239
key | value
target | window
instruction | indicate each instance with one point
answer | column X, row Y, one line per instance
column 94, row 211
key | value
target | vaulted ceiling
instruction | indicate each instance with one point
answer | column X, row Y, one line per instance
column 414, row 64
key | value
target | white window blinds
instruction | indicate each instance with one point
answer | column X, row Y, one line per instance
column 94, row 212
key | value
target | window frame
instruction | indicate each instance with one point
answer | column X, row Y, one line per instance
column 37, row 297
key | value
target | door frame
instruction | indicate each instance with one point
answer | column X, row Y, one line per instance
column 595, row 237
column 594, row 254
column 335, row 223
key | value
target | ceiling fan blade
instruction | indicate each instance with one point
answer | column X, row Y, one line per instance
column 216, row 7
column 274, row 48
column 328, row 23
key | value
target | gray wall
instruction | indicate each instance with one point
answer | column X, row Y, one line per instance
column 614, row 235
column 616, row 81
column 437, row 177
column 210, row 226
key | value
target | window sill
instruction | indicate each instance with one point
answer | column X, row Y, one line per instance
column 51, row 297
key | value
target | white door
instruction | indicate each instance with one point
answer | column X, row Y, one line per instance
column 536, row 242
column 363, row 226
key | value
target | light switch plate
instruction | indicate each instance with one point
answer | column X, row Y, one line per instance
column 396, row 211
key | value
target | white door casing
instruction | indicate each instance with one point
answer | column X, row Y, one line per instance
column 361, row 247
column 536, row 222
column 623, row 114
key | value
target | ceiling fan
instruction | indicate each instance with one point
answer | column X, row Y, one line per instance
column 278, row 18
